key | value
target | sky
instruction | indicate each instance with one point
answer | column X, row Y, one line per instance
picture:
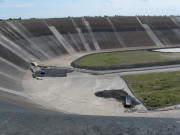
column 75, row 8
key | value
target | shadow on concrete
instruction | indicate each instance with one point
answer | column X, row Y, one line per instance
column 119, row 95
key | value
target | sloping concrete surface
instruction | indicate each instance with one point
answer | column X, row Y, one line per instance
column 54, row 105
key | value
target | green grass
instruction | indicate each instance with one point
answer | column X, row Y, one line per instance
column 156, row 89
column 125, row 58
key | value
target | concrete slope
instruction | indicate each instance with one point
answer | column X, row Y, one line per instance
column 64, row 39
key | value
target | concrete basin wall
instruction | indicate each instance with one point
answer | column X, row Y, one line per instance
column 37, row 40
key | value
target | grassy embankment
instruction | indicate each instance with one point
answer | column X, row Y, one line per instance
column 156, row 89
column 125, row 58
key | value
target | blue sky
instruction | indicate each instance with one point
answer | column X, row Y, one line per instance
column 63, row 8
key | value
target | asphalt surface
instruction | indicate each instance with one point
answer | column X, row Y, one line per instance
column 23, row 121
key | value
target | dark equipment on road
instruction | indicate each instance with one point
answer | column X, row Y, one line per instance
column 43, row 72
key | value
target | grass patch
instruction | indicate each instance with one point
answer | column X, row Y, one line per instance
column 126, row 58
column 156, row 89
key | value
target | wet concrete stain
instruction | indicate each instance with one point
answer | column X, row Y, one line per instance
column 119, row 95
column 53, row 72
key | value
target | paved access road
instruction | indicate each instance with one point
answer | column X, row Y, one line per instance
column 29, row 122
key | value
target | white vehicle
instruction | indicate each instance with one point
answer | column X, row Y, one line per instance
column 128, row 102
